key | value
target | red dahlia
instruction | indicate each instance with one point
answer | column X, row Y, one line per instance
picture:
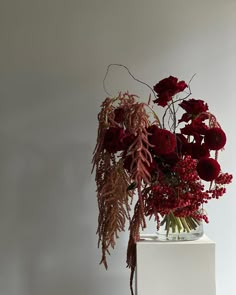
column 215, row 138
column 208, row 169
column 163, row 140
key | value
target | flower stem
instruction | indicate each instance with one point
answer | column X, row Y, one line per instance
column 177, row 225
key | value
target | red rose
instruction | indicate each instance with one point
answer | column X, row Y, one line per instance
column 208, row 169
column 163, row 140
column 113, row 139
column 167, row 88
column 215, row 138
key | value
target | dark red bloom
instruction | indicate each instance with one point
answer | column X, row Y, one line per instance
column 113, row 139
column 163, row 140
column 200, row 151
column 187, row 148
column 215, row 138
column 196, row 150
column 186, row 117
column 119, row 115
column 170, row 159
column 196, row 128
column 181, row 141
column 208, row 169
column 193, row 108
column 167, row 88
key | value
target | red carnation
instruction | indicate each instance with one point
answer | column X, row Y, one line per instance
column 193, row 107
column 196, row 128
column 167, row 88
column 215, row 138
column 208, row 169
column 163, row 140
column 113, row 139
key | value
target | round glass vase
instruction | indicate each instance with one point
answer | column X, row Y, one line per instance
column 172, row 228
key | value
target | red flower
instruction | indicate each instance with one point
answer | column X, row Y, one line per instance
column 196, row 128
column 113, row 139
column 215, row 138
column 167, row 88
column 170, row 159
column 208, row 169
column 181, row 142
column 193, row 108
column 163, row 140
column 199, row 151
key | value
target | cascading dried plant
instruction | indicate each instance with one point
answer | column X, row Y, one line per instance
column 136, row 155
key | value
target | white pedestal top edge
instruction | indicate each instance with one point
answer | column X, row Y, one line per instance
column 148, row 238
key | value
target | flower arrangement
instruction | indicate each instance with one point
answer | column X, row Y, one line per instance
column 167, row 168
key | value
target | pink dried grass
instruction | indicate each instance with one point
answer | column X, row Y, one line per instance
column 113, row 197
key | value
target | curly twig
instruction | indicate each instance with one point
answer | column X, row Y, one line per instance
column 120, row 65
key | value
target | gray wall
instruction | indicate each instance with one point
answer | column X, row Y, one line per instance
column 53, row 57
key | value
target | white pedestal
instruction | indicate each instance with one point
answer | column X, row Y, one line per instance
column 175, row 268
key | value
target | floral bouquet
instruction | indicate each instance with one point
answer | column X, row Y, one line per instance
column 166, row 168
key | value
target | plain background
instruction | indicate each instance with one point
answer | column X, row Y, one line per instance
column 53, row 57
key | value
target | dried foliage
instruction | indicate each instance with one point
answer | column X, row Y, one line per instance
column 113, row 204
column 113, row 197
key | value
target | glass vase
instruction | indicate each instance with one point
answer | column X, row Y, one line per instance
column 172, row 228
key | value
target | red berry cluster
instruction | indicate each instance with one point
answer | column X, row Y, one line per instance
column 182, row 191
column 224, row 178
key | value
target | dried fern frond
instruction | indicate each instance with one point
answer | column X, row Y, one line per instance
column 113, row 203
column 112, row 179
column 213, row 121
column 103, row 120
column 139, row 150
